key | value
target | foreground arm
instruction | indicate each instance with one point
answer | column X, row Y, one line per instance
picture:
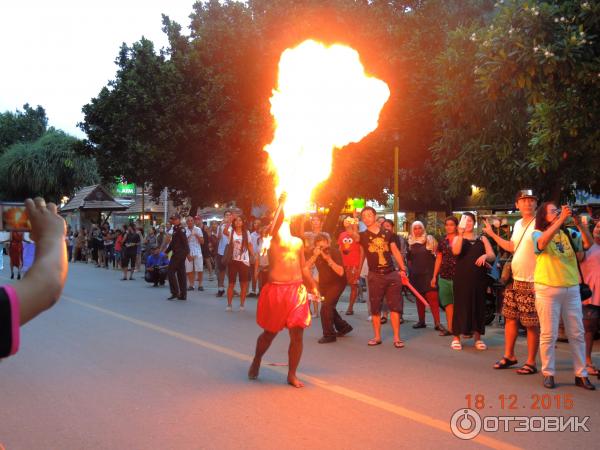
column 42, row 286
column 509, row 246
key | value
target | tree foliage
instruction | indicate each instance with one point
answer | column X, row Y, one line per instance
column 519, row 100
column 22, row 126
column 481, row 94
column 48, row 167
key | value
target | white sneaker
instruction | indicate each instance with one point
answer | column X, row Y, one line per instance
column 242, row 308
column 370, row 319
column 229, row 309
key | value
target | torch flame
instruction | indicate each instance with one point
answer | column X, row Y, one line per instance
column 324, row 100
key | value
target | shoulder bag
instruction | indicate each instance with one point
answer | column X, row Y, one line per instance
column 228, row 254
column 584, row 289
column 506, row 276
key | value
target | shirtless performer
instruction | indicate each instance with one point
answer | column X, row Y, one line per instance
column 283, row 301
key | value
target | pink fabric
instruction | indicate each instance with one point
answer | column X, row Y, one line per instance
column 15, row 317
column 283, row 305
column 590, row 267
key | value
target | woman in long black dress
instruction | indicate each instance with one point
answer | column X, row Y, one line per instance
column 470, row 283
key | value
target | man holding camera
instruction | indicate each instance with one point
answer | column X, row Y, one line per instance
column 156, row 267
column 332, row 282
column 519, row 296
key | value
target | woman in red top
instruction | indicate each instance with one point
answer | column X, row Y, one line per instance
column 118, row 248
column 15, row 252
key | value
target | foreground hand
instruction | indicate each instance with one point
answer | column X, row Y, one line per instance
column 481, row 261
column 433, row 282
column 45, row 222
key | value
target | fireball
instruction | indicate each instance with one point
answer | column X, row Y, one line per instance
column 323, row 100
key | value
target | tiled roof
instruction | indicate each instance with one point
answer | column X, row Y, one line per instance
column 95, row 197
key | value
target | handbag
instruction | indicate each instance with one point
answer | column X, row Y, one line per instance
column 227, row 255
column 584, row 289
column 506, row 276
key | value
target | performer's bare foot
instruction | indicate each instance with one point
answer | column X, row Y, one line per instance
column 294, row 381
column 254, row 369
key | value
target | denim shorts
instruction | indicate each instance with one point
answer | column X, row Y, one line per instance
column 386, row 286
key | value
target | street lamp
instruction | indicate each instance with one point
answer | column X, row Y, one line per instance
column 396, row 189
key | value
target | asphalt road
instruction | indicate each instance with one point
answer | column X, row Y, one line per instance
column 115, row 366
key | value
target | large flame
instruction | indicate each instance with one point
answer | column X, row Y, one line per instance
column 324, row 100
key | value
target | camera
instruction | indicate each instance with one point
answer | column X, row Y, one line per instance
column 14, row 217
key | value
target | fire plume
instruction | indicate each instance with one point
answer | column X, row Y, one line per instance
column 323, row 100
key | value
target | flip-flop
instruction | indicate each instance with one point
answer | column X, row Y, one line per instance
column 373, row 342
column 505, row 363
column 593, row 372
column 456, row 345
column 527, row 369
column 480, row 345
column 349, row 313
column 399, row 344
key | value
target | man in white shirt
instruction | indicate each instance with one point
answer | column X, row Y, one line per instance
column 254, row 237
column 223, row 234
column 519, row 298
column 194, row 263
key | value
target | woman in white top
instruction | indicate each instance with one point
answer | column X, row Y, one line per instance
column 241, row 251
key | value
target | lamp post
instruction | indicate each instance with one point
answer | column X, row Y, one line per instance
column 396, row 189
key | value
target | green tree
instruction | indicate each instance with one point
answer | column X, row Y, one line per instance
column 48, row 167
column 22, row 126
column 523, row 100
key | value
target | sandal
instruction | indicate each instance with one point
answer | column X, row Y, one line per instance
column 419, row 325
column 527, row 369
column 373, row 342
column 456, row 345
column 442, row 330
column 592, row 370
column 399, row 344
column 505, row 363
column 349, row 313
column 480, row 345
column 383, row 320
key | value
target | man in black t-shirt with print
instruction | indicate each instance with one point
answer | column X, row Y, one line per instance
column 332, row 282
column 378, row 246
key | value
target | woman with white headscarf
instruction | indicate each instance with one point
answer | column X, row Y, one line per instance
column 422, row 248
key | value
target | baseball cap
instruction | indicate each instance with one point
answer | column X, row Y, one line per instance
column 525, row 193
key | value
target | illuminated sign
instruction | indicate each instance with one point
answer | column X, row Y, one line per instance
column 125, row 189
